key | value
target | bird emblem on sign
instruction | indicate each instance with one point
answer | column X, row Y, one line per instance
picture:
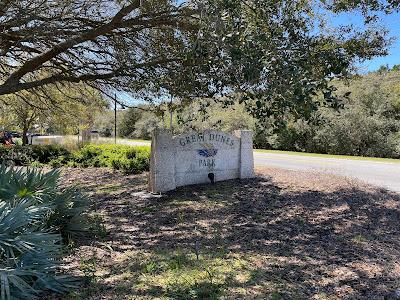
column 208, row 150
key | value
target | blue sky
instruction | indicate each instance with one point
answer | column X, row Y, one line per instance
column 392, row 23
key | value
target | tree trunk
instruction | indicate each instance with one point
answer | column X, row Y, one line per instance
column 25, row 136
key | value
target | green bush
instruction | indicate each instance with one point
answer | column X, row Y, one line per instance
column 134, row 166
column 16, row 155
column 131, row 160
column 26, row 155
column 59, row 161
column 45, row 153
column 356, row 132
column 366, row 126
column 35, row 215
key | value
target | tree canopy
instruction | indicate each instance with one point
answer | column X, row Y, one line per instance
column 277, row 54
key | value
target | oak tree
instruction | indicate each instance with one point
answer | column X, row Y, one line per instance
column 276, row 54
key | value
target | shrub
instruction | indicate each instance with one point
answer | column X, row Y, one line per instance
column 34, row 216
column 26, row 155
column 131, row 160
column 45, row 153
column 134, row 166
column 355, row 132
column 16, row 155
column 59, row 161
column 350, row 131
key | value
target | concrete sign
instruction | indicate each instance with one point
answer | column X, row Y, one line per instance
column 199, row 157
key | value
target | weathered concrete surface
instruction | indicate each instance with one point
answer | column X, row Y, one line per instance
column 199, row 157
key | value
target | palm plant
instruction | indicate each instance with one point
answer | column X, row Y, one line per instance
column 34, row 216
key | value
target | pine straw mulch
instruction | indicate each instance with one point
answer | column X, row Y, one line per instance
column 282, row 235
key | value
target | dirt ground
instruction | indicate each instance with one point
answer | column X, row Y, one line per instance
column 282, row 235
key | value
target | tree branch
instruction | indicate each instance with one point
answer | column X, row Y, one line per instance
column 37, row 61
column 76, row 79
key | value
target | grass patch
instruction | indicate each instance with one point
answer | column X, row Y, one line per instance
column 109, row 189
column 148, row 210
column 168, row 275
column 138, row 140
column 104, row 140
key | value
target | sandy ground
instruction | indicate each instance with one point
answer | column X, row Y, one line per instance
column 283, row 235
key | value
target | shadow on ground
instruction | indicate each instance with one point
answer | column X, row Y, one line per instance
column 283, row 235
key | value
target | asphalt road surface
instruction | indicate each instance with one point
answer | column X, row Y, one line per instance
column 382, row 174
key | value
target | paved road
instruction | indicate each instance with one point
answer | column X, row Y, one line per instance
column 382, row 174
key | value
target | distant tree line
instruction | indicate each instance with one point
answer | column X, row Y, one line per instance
column 367, row 123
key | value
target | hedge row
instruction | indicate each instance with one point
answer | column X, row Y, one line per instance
column 131, row 160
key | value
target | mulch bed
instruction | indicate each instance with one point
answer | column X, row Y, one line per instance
column 307, row 235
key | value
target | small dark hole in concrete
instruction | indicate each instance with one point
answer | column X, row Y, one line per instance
column 211, row 176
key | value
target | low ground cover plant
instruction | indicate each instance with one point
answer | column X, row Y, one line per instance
column 37, row 218
column 131, row 160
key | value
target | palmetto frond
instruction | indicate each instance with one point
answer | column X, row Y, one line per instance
column 19, row 230
column 33, row 214
column 24, row 182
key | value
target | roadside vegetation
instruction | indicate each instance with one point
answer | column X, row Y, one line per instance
column 130, row 160
column 64, row 111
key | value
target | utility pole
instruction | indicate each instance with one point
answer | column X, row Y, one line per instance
column 170, row 115
column 115, row 118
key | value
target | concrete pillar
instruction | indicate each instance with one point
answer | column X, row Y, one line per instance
column 246, row 165
column 162, row 162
